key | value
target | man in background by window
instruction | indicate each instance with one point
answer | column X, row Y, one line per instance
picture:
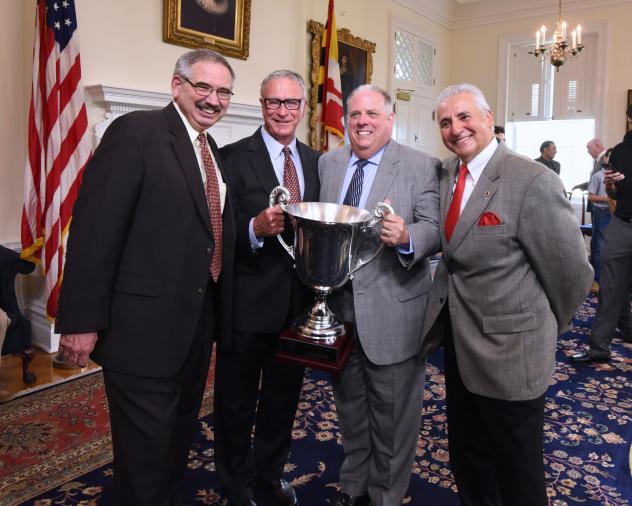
column 499, row 133
column 600, row 216
column 548, row 151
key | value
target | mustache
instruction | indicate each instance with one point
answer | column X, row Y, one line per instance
column 213, row 107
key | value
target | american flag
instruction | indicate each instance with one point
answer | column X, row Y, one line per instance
column 330, row 91
column 58, row 142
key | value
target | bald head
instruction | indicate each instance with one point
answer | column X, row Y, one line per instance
column 594, row 147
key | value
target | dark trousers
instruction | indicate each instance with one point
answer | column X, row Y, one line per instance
column 613, row 307
column 495, row 446
column 153, row 421
column 253, row 389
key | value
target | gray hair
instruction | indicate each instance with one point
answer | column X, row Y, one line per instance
column 457, row 89
column 188, row 59
column 388, row 102
column 284, row 74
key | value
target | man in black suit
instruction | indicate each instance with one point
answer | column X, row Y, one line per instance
column 548, row 150
column 268, row 295
column 149, row 265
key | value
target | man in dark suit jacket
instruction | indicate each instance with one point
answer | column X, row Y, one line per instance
column 143, row 285
column 548, row 150
column 268, row 295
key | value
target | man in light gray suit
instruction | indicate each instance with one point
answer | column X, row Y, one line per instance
column 514, row 270
column 379, row 392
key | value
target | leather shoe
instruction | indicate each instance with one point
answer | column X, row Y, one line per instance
column 343, row 499
column 588, row 358
column 282, row 492
column 247, row 502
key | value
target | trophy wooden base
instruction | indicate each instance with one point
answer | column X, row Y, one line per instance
column 297, row 349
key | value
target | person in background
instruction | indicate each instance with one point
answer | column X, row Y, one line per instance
column 147, row 281
column 499, row 133
column 548, row 150
column 615, row 278
column 596, row 150
column 268, row 296
column 379, row 392
column 600, row 216
column 513, row 271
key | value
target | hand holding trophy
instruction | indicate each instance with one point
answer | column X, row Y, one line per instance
column 329, row 240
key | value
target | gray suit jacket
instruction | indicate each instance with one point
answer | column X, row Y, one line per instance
column 389, row 293
column 511, row 288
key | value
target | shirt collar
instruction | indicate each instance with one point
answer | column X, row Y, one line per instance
column 193, row 133
column 275, row 148
column 480, row 161
column 375, row 159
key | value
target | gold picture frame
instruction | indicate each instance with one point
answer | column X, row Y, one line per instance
column 355, row 57
column 221, row 25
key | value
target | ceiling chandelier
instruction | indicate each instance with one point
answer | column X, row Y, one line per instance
column 558, row 49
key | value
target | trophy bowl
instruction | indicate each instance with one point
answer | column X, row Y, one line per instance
column 331, row 242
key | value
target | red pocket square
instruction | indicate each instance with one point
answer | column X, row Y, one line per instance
column 488, row 220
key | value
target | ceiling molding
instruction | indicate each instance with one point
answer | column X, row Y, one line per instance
column 459, row 14
column 441, row 12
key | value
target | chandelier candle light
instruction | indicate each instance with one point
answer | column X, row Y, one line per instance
column 559, row 48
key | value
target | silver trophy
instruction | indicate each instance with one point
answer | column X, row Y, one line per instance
column 331, row 242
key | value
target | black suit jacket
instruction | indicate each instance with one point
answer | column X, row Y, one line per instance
column 140, row 245
column 267, row 290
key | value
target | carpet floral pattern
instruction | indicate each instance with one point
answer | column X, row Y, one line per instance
column 588, row 431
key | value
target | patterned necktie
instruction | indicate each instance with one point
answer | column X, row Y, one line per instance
column 354, row 192
column 455, row 206
column 214, row 206
column 290, row 178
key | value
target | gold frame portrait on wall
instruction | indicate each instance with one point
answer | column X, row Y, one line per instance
column 355, row 57
column 221, row 25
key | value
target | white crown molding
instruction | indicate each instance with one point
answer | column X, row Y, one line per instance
column 439, row 11
column 240, row 119
column 456, row 15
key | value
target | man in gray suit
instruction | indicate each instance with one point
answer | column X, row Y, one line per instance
column 379, row 392
column 514, row 270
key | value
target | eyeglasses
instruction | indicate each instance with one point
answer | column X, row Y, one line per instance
column 204, row 90
column 291, row 104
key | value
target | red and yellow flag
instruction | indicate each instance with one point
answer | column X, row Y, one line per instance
column 331, row 128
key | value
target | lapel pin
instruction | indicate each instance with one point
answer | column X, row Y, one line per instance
column 486, row 195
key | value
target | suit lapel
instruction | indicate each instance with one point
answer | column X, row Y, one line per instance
column 334, row 183
column 386, row 172
column 260, row 162
column 480, row 198
column 188, row 162
column 309, row 174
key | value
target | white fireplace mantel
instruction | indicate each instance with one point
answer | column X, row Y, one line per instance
column 240, row 120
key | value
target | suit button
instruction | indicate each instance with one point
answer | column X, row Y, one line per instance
column 200, row 290
column 209, row 251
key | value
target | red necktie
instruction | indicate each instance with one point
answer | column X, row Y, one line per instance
column 455, row 206
column 290, row 178
column 214, row 206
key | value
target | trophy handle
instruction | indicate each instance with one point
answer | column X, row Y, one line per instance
column 281, row 195
column 380, row 210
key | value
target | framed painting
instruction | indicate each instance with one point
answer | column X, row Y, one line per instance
column 355, row 57
column 221, row 25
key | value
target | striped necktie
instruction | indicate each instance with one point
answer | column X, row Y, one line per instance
column 214, row 206
column 354, row 192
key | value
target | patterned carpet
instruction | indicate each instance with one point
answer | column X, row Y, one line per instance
column 588, row 431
